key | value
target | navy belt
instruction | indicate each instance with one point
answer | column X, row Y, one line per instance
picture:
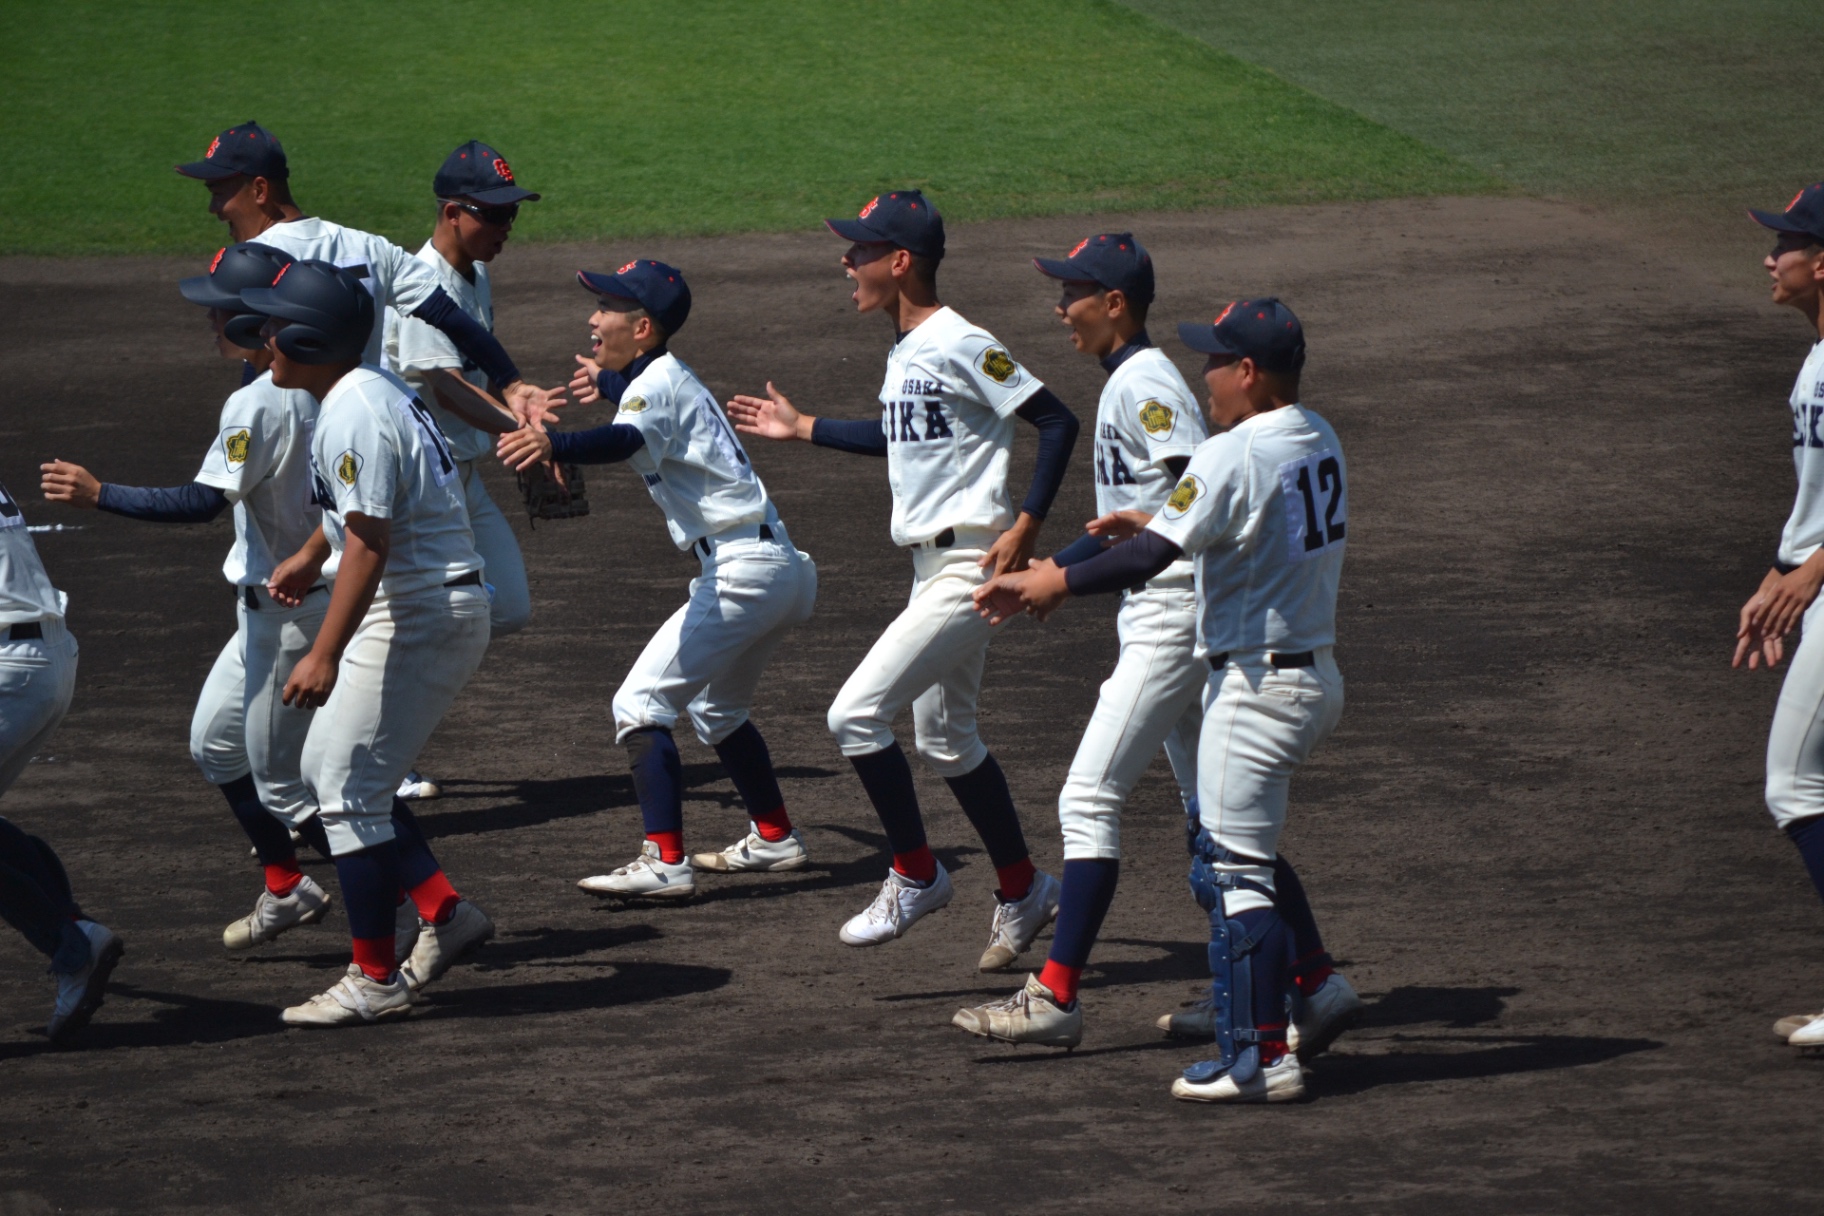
column 709, row 550
column 1304, row 658
column 471, row 579
column 25, row 631
column 252, row 600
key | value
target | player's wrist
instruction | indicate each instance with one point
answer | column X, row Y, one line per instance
column 804, row 428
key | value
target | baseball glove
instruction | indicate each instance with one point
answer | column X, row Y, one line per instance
column 553, row 491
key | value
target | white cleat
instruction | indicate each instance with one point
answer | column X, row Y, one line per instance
column 645, row 877
column 1328, row 1012
column 1809, row 1038
column 355, row 1000
column 900, row 902
column 272, row 915
column 755, row 854
column 80, row 994
column 1787, row 1027
column 439, row 946
column 415, row 786
column 1283, row 1081
column 1017, row 922
column 406, row 926
column 1031, row 1015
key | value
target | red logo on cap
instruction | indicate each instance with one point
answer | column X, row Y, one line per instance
column 500, row 167
column 1796, row 198
column 216, row 260
column 628, row 266
column 1079, row 249
column 1224, row 314
column 213, row 145
column 869, row 209
column 281, row 274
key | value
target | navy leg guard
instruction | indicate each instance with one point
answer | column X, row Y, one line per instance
column 1244, row 985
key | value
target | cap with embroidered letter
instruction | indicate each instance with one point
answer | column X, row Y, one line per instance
column 476, row 171
column 902, row 218
column 1114, row 261
column 654, row 286
column 1263, row 330
column 247, row 150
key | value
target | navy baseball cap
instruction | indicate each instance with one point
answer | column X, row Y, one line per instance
column 479, row 172
column 1262, row 330
column 248, row 150
column 903, row 218
column 1114, row 261
column 654, row 286
column 1803, row 215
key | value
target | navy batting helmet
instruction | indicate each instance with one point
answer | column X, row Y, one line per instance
column 331, row 314
column 232, row 271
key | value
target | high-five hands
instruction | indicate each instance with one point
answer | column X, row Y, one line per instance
column 770, row 417
column 1036, row 590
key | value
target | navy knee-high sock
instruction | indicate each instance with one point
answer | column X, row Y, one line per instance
column 35, row 899
column 887, row 778
column 749, row 765
column 1808, row 835
column 658, row 780
column 1089, row 887
column 1273, row 986
column 416, row 861
column 1312, row 964
column 983, row 794
column 270, row 838
column 370, row 891
column 315, row 835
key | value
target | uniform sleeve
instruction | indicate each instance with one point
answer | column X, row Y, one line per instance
column 401, row 280
column 985, row 372
column 654, row 414
column 421, row 345
column 1161, row 418
column 364, row 462
column 250, row 436
column 1209, row 503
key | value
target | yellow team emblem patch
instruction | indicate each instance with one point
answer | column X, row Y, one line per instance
column 1184, row 495
column 633, row 405
column 348, row 467
column 998, row 365
column 1157, row 418
column 235, row 445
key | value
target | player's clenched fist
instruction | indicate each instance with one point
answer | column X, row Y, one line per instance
column 69, row 483
column 520, row 450
column 770, row 417
column 1038, row 589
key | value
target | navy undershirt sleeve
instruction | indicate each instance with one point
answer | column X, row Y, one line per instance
column 1128, row 564
column 471, row 338
column 1057, row 436
column 864, row 436
column 195, row 503
column 1079, row 550
column 600, row 445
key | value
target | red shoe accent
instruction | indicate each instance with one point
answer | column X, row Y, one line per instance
column 282, row 878
column 1016, row 879
column 918, row 865
column 774, row 825
column 671, row 846
column 1061, row 980
column 374, row 955
column 436, row 898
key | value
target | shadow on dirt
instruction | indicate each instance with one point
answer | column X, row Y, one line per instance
column 1339, row 1074
column 184, row 1020
column 631, row 983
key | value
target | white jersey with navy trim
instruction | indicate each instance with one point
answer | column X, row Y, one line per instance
column 413, row 346
column 692, row 463
column 1263, row 507
column 26, row 593
column 1146, row 416
column 260, row 460
column 947, row 407
column 396, row 278
column 1804, row 530
column 378, row 452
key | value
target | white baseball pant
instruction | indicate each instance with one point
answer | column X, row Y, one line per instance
column 409, row 658
column 930, row 658
column 1795, row 745
column 706, row 660
column 1259, row 724
column 499, row 549
column 1153, row 699
column 37, row 680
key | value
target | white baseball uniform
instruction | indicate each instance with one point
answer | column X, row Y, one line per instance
column 260, row 461
column 396, row 278
column 37, row 675
column 706, row 660
column 1263, row 507
column 1153, row 698
column 1795, row 748
column 413, row 346
column 947, row 407
column 377, row 452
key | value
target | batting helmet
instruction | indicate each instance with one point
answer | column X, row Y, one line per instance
column 232, row 271
column 331, row 314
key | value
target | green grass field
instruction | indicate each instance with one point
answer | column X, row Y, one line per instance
column 644, row 117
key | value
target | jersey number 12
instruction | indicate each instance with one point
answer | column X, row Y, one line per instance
column 1317, row 509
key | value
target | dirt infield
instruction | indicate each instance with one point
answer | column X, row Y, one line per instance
column 1536, row 840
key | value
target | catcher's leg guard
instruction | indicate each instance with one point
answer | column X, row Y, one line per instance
column 1246, row 962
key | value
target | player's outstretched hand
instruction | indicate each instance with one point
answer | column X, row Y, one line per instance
column 1118, row 525
column 520, row 450
column 770, row 417
column 535, row 406
column 311, row 681
column 69, row 483
column 582, row 385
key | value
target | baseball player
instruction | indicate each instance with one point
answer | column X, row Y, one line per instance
column 1788, row 595
column 707, row 659
column 406, row 625
column 477, row 202
column 1263, row 508
column 946, row 428
column 37, row 678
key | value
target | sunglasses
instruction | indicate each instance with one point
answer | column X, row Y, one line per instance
column 498, row 216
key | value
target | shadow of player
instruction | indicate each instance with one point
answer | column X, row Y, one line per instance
column 184, row 1020
column 631, row 983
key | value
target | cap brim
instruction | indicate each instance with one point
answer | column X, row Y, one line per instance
column 606, row 285
column 1061, row 268
column 1201, row 337
column 203, row 171
column 855, row 230
column 1778, row 222
column 500, row 196
column 201, row 289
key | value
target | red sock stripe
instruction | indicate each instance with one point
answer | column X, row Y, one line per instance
column 1016, row 879
column 374, row 955
column 435, row 898
column 918, row 865
column 1311, row 971
column 774, row 825
column 671, row 846
column 1061, row 980
column 283, row 878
